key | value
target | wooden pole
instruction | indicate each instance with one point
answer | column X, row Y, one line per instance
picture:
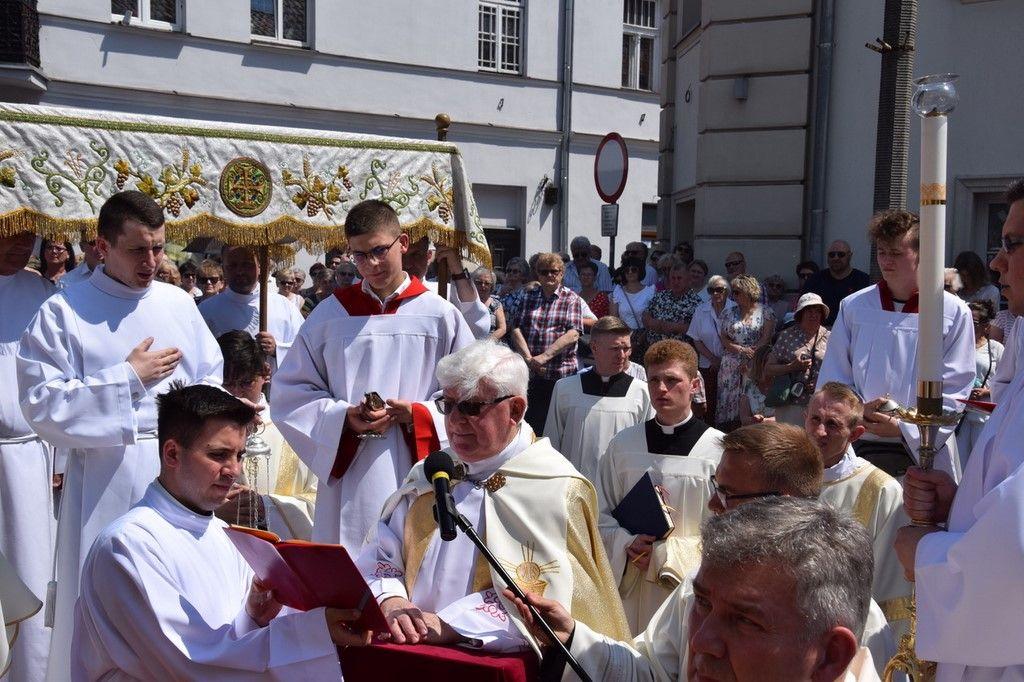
column 264, row 280
column 442, row 122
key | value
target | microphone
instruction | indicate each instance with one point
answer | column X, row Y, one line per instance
column 439, row 469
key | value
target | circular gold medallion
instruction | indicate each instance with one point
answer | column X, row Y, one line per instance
column 245, row 186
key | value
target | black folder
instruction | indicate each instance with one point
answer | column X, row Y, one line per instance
column 642, row 511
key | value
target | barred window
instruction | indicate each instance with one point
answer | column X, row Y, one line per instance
column 284, row 21
column 499, row 36
column 639, row 30
column 162, row 13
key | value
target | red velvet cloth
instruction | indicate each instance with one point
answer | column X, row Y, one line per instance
column 422, row 662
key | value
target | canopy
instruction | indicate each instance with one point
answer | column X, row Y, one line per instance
column 245, row 185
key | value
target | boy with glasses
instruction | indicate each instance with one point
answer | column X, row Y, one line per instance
column 383, row 335
column 837, row 281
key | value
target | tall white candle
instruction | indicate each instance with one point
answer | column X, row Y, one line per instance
column 933, row 247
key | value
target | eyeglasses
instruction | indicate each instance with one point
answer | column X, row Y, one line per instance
column 716, row 290
column 1010, row 244
column 837, row 254
column 733, row 263
column 375, row 255
column 470, row 408
column 549, row 273
column 725, row 498
column 208, row 280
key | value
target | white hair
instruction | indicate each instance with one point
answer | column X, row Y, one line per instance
column 484, row 366
column 718, row 281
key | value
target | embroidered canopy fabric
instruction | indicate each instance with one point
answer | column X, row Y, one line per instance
column 242, row 184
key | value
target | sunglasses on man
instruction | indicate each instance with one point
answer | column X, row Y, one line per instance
column 837, row 254
column 470, row 408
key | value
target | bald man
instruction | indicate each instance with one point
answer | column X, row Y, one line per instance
column 838, row 280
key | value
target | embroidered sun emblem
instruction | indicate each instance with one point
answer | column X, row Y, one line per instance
column 245, row 186
column 528, row 573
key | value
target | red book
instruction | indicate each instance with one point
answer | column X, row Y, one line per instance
column 308, row 575
column 978, row 405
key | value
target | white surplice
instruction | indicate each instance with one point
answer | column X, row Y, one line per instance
column 588, row 409
column 163, row 597
column 80, row 394
column 970, row 605
column 659, row 653
column 80, row 273
column 1006, row 370
column 231, row 311
column 446, row 574
column 335, row 360
column 875, row 500
column 875, row 352
column 681, row 460
column 476, row 314
column 27, row 524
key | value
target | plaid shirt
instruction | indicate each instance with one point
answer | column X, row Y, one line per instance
column 543, row 320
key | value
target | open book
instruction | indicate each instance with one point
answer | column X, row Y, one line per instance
column 307, row 575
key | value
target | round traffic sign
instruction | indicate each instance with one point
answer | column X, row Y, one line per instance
column 611, row 166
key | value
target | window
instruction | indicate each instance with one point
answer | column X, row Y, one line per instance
column 499, row 37
column 281, row 21
column 153, row 13
column 639, row 19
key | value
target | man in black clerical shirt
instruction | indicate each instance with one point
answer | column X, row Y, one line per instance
column 838, row 280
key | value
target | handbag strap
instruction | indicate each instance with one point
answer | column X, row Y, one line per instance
column 639, row 321
column 988, row 370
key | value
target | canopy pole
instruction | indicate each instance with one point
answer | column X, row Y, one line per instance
column 264, row 281
column 442, row 122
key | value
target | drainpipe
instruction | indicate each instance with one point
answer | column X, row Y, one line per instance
column 560, row 237
column 815, row 247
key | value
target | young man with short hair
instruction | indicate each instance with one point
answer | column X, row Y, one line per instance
column 681, row 453
column 873, row 349
column 165, row 594
column 589, row 408
column 856, row 486
column 89, row 369
column 384, row 335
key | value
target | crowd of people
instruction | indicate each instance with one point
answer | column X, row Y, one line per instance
column 148, row 408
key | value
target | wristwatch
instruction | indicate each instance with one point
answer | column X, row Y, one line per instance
column 460, row 275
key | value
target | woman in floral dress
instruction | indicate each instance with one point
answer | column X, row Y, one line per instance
column 745, row 329
column 669, row 313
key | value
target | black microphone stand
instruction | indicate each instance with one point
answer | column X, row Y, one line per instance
column 463, row 523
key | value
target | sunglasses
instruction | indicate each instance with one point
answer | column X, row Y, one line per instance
column 470, row 408
column 716, row 290
column 837, row 254
column 208, row 280
column 733, row 263
column 549, row 273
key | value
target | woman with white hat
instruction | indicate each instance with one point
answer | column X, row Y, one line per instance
column 797, row 355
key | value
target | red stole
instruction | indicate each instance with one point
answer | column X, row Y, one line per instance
column 887, row 301
column 420, row 435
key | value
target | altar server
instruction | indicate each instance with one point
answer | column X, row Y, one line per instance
column 238, row 306
column 782, row 594
column 871, row 496
column 681, row 453
column 873, row 348
column 970, row 606
column 383, row 335
column 588, row 408
column 89, row 368
column 537, row 514
column 165, row 594
column 27, row 523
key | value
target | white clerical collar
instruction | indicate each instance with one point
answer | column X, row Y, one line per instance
column 174, row 511
column 843, row 468
column 669, row 430
column 367, row 289
column 485, row 467
column 108, row 285
column 245, row 299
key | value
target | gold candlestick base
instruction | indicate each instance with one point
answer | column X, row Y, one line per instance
column 906, row 659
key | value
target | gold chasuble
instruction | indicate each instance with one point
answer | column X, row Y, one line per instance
column 540, row 521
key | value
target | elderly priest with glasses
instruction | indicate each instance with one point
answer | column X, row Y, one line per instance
column 537, row 513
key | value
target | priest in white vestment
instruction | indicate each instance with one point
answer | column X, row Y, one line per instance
column 680, row 452
column 535, row 512
column 760, row 607
column 237, row 306
column 281, row 485
column 462, row 292
column 27, row 524
column 89, row 368
column 383, row 335
column 970, row 605
column 590, row 407
column 873, row 345
column 165, row 594
column 856, row 486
